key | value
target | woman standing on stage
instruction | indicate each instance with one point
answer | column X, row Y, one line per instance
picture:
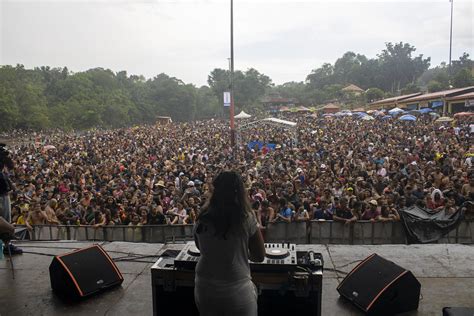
column 226, row 234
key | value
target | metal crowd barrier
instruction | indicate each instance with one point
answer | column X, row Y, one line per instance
column 312, row 232
column 358, row 233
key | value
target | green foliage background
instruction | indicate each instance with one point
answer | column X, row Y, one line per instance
column 45, row 97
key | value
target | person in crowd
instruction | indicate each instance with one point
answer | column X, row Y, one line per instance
column 371, row 213
column 301, row 215
column 227, row 235
column 322, row 210
column 99, row 219
column 285, row 212
column 6, row 186
column 179, row 214
column 36, row 216
column 388, row 214
column 436, row 201
column 343, row 213
column 51, row 210
column 156, row 217
column 266, row 214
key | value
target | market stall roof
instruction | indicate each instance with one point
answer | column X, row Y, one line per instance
column 331, row 106
column 394, row 100
column 464, row 96
column 440, row 94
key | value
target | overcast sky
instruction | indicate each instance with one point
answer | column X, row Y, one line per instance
column 188, row 38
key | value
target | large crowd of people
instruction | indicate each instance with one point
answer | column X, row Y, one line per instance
column 343, row 169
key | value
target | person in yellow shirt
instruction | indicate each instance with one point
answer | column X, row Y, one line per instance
column 21, row 220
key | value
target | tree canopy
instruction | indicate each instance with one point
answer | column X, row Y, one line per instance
column 46, row 97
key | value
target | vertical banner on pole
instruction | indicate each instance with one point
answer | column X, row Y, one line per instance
column 226, row 98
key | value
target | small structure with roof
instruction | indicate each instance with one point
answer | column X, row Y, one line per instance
column 331, row 108
column 352, row 88
column 276, row 101
column 161, row 120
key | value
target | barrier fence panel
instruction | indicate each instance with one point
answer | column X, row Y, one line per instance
column 320, row 232
column 465, row 232
column 398, row 233
column 295, row 232
column 358, row 233
column 178, row 233
column 315, row 232
column 362, row 233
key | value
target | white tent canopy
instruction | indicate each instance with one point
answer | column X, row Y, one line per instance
column 242, row 115
column 289, row 126
column 279, row 121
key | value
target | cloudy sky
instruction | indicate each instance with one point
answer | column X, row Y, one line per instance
column 188, row 38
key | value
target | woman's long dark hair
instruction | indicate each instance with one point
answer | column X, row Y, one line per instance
column 228, row 206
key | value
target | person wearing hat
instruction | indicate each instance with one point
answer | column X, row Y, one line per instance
column 191, row 190
column 371, row 213
column 350, row 193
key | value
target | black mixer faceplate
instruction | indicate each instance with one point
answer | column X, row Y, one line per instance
column 276, row 253
column 194, row 251
column 278, row 258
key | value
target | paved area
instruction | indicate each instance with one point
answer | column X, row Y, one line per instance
column 446, row 273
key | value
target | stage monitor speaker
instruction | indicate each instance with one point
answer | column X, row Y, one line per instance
column 380, row 287
column 83, row 272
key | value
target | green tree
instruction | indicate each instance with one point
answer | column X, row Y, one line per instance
column 410, row 88
column 321, row 77
column 463, row 78
column 373, row 94
column 434, row 86
column 399, row 67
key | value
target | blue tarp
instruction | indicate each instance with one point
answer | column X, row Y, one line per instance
column 251, row 145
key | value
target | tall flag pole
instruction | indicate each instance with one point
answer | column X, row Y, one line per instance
column 232, row 127
column 451, row 35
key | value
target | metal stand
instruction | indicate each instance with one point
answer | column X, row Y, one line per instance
column 11, row 261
